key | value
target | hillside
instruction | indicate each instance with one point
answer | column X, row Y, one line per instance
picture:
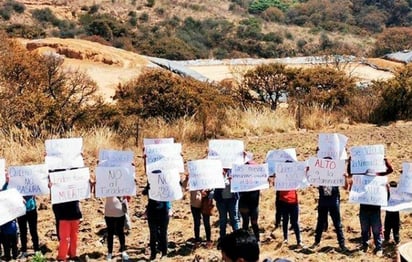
column 109, row 66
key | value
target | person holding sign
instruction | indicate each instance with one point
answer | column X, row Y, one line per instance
column 69, row 215
column 115, row 209
column 329, row 202
column 249, row 207
column 392, row 220
column 370, row 215
column 29, row 218
column 158, row 219
column 227, row 203
column 9, row 234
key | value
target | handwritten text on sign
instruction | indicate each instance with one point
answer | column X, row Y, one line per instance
column 64, row 153
column 66, row 192
column 114, row 181
column 332, row 145
column 369, row 190
column 151, row 141
column 405, row 181
column 290, row 176
column 29, row 180
column 280, row 155
column 398, row 201
column 163, row 157
column 11, row 205
column 69, row 176
column 205, row 174
column 114, row 157
column 249, row 177
column 326, row 172
column 367, row 157
column 165, row 186
column 228, row 151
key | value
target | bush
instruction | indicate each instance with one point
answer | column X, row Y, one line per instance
column 25, row 31
column 16, row 6
column 5, row 13
column 45, row 15
column 150, row 3
column 93, row 9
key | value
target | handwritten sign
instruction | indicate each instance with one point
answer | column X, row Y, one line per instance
column 151, row 141
column 205, row 174
column 115, row 157
column 405, row 181
column 163, row 157
column 29, row 180
column 367, row 157
column 249, row 177
column 332, row 145
column 11, row 205
column 66, row 192
column 291, row 176
column 326, row 172
column 280, row 155
column 69, row 176
column 398, row 201
column 64, row 153
column 228, row 151
column 114, row 181
column 2, row 172
column 369, row 190
column 165, row 186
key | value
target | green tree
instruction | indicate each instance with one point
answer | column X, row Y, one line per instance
column 395, row 97
column 269, row 82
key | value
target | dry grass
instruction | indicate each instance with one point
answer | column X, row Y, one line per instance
column 18, row 148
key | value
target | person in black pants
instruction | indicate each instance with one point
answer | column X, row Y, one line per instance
column 158, row 219
column 29, row 218
column 392, row 222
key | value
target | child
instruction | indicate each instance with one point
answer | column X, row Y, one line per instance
column 392, row 221
column 9, row 239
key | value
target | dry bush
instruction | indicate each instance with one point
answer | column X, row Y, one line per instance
column 317, row 117
column 257, row 122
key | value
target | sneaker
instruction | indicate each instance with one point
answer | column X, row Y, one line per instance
column 285, row 242
column 125, row 256
column 364, row 248
column 109, row 257
column 379, row 253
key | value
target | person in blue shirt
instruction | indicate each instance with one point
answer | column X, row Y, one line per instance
column 30, row 218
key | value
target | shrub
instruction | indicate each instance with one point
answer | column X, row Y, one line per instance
column 273, row 14
column 16, row 6
column 5, row 13
column 93, row 9
column 150, row 3
column 25, row 31
column 45, row 15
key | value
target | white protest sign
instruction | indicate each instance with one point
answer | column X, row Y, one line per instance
column 11, row 205
column 205, row 174
column 369, row 190
column 280, row 155
column 367, row 157
column 326, row 172
column 29, row 180
column 109, row 157
column 165, row 185
column 332, row 145
column 227, row 150
column 163, row 157
column 405, row 181
column 66, row 192
column 2, row 172
column 151, row 141
column 398, row 201
column 114, row 181
column 249, row 178
column 64, row 153
column 291, row 176
column 69, row 176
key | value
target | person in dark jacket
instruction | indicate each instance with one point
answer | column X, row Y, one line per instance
column 30, row 219
column 158, row 218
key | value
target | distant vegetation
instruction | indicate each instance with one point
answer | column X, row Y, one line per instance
column 261, row 31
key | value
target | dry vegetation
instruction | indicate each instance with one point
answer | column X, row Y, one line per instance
column 260, row 133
